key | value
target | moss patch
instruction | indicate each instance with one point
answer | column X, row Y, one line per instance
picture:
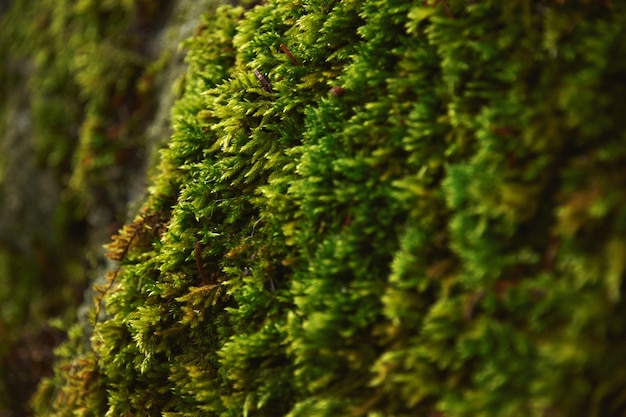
column 376, row 208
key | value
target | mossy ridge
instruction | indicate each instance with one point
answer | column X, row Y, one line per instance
column 439, row 234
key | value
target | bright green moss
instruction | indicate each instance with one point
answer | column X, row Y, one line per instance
column 423, row 217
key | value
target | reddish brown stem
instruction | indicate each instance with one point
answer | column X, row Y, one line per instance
column 198, row 256
column 289, row 54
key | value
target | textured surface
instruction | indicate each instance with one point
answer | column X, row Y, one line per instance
column 380, row 208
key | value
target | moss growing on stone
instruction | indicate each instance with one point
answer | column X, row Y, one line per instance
column 380, row 208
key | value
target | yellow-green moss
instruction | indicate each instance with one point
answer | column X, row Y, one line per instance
column 420, row 214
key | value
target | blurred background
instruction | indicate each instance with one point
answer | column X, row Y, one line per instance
column 85, row 92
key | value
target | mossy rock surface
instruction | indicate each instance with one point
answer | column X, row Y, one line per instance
column 375, row 208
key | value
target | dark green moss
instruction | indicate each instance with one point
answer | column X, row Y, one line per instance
column 421, row 213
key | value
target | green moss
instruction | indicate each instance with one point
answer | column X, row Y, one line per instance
column 418, row 214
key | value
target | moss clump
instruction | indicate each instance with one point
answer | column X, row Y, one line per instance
column 417, row 210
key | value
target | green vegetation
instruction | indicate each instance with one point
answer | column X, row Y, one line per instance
column 375, row 208
column 76, row 96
